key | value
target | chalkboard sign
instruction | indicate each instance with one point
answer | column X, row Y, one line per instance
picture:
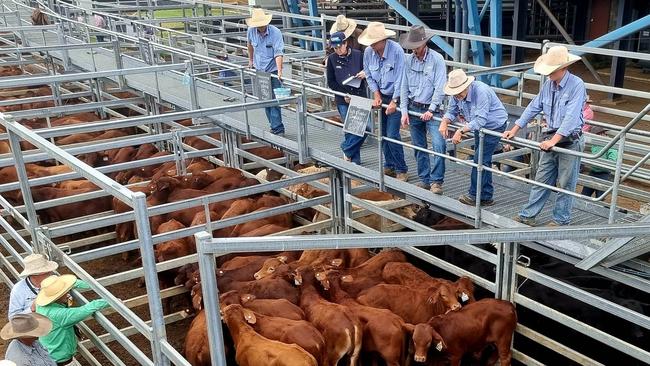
column 264, row 87
column 357, row 121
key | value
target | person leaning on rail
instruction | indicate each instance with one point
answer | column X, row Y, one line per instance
column 37, row 268
column 561, row 99
column 265, row 53
column 422, row 91
column 383, row 65
column 481, row 107
column 55, row 302
column 25, row 349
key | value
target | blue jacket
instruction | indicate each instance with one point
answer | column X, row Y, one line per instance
column 340, row 68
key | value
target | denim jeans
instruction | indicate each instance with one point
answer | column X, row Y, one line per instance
column 393, row 153
column 431, row 168
column 273, row 114
column 489, row 145
column 559, row 170
column 588, row 191
column 351, row 144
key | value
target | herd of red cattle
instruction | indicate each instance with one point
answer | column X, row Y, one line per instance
column 325, row 307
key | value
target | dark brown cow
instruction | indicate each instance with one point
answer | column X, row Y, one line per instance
column 70, row 210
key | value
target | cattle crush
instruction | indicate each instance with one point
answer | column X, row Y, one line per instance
column 141, row 155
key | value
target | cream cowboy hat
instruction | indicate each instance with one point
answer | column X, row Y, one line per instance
column 26, row 325
column 258, row 18
column 37, row 264
column 7, row 363
column 53, row 287
column 345, row 25
column 416, row 37
column 557, row 57
column 457, row 82
column 374, row 33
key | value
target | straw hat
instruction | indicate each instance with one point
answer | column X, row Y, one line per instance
column 416, row 37
column 457, row 82
column 26, row 325
column 374, row 33
column 345, row 25
column 258, row 18
column 7, row 363
column 53, row 287
column 37, row 264
column 557, row 57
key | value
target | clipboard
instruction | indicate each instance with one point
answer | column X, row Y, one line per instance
column 352, row 81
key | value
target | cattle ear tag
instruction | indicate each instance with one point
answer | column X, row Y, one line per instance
column 439, row 346
column 346, row 278
column 430, row 300
column 250, row 317
column 464, row 297
column 283, row 258
column 336, row 262
column 105, row 158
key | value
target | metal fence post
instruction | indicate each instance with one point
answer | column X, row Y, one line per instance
column 62, row 40
column 380, row 150
column 150, row 277
column 347, row 206
column 243, row 98
column 207, row 268
column 479, row 177
column 121, row 82
column 337, row 208
column 189, row 71
column 301, row 109
column 617, row 179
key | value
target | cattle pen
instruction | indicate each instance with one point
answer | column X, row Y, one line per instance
column 171, row 84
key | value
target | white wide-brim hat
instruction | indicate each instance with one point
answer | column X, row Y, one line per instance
column 37, row 264
column 258, row 18
column 343, row 24
column 557, row 57
column 457, row 81
column 53, row 287
column 374, row 33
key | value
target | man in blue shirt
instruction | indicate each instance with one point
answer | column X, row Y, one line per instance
column 37, row 268
column 265, row 53
column 25, row 349
column 383, row 66
column 422, row 91
column 481, row 108
column 561, row 99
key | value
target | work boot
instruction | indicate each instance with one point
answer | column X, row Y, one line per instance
column 402, row 176
column 389, row 172
column 423, row 185
column 530, row 221
column 436, row 188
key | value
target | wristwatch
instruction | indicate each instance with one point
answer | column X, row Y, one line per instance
column 395, row 100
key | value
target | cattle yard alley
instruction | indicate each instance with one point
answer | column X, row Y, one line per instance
column 138, row 157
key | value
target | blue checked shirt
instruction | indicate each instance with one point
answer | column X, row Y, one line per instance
column 24, row 355
column 384, row 73
column 266, row 47
column 423, row 81
column 481, row 108
column 21, row 298
column 562, row 105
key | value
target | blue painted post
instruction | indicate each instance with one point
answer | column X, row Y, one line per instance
column 474, row 27
column 313, row 11
column 295, row 9
column 496, row 25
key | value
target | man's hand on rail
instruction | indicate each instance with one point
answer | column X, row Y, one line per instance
column 546, row 145
column 510, row 133
column 405, row 121
column 458, row 136
column 392, row 107
column 426, row 116
column 347, row 99
column 377, row 102
column 443, row 128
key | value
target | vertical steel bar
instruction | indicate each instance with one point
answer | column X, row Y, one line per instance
column 479, row 177
column 150, row 277
column 244, row 97
column 301, row 109
column 380, row 149
column 617, row 179
column 347, row 206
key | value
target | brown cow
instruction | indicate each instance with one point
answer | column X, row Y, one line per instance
column 408, row 275
column 197, row 346
column 265, row 230
column 369, row 273
column 253, row 349
column 70, row 210
column 266, row 288
column 272, row 307
column 470, row 330
column 413, row 305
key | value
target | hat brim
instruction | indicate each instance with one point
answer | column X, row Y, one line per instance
column 458, row 89
column 352, row 26
column 406, row 44
column 542, row 68
column 366, row 40
column 259, row 22
column 69, row 281
column 43, row 328
column 51, row 267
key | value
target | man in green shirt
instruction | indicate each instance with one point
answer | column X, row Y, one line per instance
column 55, row 302
column 597, row 172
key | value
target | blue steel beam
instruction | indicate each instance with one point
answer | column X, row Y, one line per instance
column 496, row 25
column 411, row 18
column 474, row 27
column 484, row 10
column 313, row 11
column 613, row 36
column 295, row 9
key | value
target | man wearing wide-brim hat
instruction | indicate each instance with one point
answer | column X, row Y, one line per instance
column 23, row 294
column 265, row 53
column 54, row 302
column 561, row 99
column 350, row 29
column 422, row 92
column 383, row 66
column 481, row 109
column 25, row 349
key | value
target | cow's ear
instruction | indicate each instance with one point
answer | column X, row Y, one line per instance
column 283, row 258
column 247, row 297
column 408, row 328
column 249, row 316
column 336, row 262
column 347, row 278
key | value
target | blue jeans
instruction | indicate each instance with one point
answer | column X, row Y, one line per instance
column 588, row 191
column 559, row 170
column 431, row 168
column 393, row 153
column 273, row 114
column 489, row 145
column 351, row 144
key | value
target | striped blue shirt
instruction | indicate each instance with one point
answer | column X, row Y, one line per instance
column 266, row 47
column 481, row 108
column 384, row 73
column 423, row 81
column 562, row 105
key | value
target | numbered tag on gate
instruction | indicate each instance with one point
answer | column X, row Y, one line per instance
column 358, row 121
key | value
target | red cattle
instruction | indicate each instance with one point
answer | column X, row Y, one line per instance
column 197, row 347
column 273, row 307
column 69, row 210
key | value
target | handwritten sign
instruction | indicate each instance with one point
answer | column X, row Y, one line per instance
column 264, row 87
column 358, row 121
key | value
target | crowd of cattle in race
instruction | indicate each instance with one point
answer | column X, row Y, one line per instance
column 323, row 307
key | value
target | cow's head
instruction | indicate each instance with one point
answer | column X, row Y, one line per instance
column 464, row 290
column 444, row 296
column 270, row 266
column 424, row 336
column 322, row 277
